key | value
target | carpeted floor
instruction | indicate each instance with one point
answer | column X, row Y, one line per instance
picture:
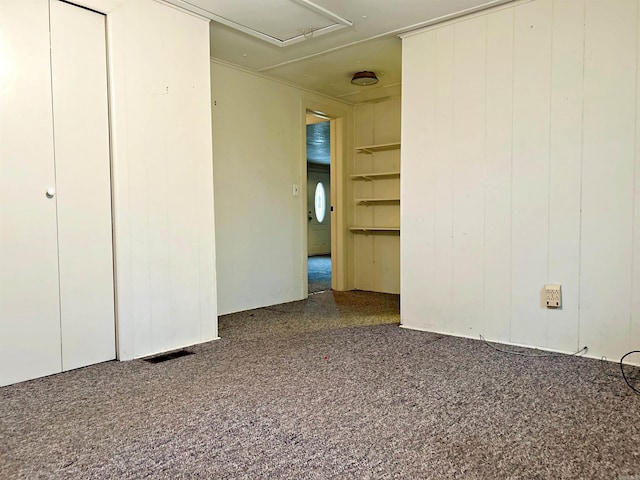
column 322, row 389
column 319, row 268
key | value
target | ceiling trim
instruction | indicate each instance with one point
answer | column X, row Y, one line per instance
column 341, row 22
column 495, row 5
column 272, row 78
column 180, row 8
column 404, row 31
column 103, row 7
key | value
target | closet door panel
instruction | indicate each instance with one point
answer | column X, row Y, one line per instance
column 80, row 106
column 29, row 308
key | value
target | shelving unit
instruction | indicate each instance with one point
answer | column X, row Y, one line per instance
column 373, row 153
column 373, row 176
column 376, row 200
column 374, row 229
column 371, row 149
column 375, row 186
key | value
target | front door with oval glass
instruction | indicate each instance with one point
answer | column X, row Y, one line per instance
column 319, row 231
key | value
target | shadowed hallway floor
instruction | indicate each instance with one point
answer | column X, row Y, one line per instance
column 328, row 387
column 319, row 268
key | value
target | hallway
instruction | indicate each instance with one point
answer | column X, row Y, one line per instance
column 319, row 268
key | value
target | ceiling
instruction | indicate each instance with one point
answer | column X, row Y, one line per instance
column 320, row 44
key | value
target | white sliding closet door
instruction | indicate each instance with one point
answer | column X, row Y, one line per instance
column 83, row 179
column 29, row 309
column 56, row 259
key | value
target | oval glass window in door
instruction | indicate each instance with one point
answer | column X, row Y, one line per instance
column 320, row 202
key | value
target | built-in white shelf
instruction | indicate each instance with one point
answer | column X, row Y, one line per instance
column 377, row 200
column 374, row 229
column 370, row 149
column 373, row 176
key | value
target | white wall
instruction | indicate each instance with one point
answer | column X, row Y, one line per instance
column 162, row 178
column 259, row 141
column 519, row 168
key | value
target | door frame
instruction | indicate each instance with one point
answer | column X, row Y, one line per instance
column 337, row 209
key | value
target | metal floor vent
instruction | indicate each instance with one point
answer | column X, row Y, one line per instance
column 168, row 356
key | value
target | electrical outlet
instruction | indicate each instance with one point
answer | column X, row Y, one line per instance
column 553, row 296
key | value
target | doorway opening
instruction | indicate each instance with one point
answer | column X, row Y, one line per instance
column 318, row 202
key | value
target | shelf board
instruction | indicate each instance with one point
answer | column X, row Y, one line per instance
column 374, row 229
column 378, row 148
column 377, row 200
column 373, row 176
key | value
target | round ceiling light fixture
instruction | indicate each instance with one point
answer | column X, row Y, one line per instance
column 364, row 78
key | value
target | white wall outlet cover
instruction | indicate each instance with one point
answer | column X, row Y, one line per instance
column 553, row 295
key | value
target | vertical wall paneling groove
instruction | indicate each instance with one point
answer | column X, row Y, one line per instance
column 565, row 152
column 443, row 181
column 416, row 177
column 532, row 44
column 499, row 127
column 207, row 282
column 468, row 174
column 607, row 201
column 634, row 328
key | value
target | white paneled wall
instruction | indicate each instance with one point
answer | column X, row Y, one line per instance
column 609, row 151
column 440, row 233
column 467, row 164
column 519, row 147
column 162, row 178
column 565, row 159
column 497, row 196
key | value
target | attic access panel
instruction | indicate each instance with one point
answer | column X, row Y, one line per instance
column 279, row 22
